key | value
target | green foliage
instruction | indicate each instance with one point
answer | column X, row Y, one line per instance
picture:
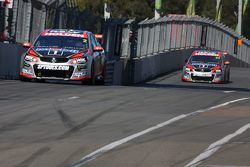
column 142, row 9
column 131, row 9
column 174, row 7
column 96, row 6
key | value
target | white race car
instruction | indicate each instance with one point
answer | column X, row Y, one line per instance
column 64, row 55
column 207, row 66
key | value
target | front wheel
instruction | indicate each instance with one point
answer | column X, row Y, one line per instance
column 101, row 81
column 91, row 81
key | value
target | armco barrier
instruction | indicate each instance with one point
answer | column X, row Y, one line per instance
column 10, row 55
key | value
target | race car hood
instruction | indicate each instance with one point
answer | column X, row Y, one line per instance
column 56, row 51
column 203, row 65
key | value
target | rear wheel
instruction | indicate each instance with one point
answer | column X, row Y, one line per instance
column 92, row 79
column 228, row 77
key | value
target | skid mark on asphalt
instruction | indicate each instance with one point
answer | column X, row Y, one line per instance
column 216, row 146
column 33, row 157
column 15, row 123
column 89, row 121
column 115, row 144
column 71, row 156
column 66, row 119
column 69, row 123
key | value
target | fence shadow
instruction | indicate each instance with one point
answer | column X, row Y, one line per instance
column 194, row 86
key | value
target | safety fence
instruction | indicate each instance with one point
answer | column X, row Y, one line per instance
column 182, row 32
column 28, row 18
column 152, row 47
column 136, row 50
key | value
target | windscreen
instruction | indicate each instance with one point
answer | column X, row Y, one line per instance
column 62, row 42
column 205, row 59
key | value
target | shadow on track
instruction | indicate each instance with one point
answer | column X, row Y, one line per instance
column 195, row 86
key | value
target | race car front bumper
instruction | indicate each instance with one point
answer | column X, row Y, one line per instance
column 209, row 77
column 60, row 71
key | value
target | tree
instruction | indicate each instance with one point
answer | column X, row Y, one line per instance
column 174, row 7
column 142, row 9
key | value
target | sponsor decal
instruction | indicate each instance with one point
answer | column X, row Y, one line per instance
column 27, row 71
column 63, row 34
column 202, row 65
column 56, row 51
column 206, row 53
column 52, row 67
column 201, row 74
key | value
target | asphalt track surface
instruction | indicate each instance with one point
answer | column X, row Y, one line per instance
column 160, row 123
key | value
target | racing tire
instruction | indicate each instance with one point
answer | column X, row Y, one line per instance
column 101, row 81
column 228, row 77
column 92, row 80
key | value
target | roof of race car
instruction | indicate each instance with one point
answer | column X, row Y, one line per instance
column 207, row 53
column 65, row 33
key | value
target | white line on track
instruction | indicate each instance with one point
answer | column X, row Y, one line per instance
column 69, row 98
column 115, row 144
column 216, row 146
column 229, row 91
column 221, row 166
column 73, row 97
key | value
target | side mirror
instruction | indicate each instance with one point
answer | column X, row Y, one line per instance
column 227, row 63
column 225, row 53
column 98, row 49
column 27, row 44
column 98, row 36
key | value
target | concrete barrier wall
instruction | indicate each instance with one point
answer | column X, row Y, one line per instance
column 10, row 55
column 152, row 66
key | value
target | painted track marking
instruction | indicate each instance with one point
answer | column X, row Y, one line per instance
column 216, row 146
column 69, row 98
column 115, row 144
column 221, row 166
column 229, row 91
